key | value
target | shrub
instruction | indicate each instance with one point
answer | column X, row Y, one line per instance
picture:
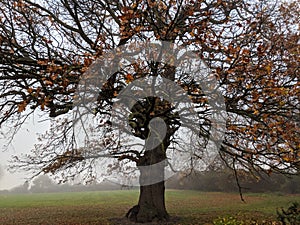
column 291, row 216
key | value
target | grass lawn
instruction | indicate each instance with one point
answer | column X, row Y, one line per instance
column 108, row 207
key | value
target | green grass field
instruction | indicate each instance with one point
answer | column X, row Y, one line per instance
column 109, row 207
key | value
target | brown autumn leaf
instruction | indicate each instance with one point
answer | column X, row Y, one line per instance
column 129, row 78
column 22, row 106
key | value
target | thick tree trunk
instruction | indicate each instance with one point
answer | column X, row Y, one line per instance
column 156, row 130
column 151, row 205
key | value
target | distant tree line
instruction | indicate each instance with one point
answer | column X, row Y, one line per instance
column 44, row 184
column 225, row 181
column 221, row 180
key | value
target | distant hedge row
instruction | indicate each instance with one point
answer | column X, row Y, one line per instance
column 225, row 181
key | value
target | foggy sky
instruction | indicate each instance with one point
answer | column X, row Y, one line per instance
column 23, row 142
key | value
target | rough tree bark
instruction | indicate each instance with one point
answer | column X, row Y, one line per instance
column 151, row 204
column 152, row 120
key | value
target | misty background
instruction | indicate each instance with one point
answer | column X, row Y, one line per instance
column 213, row 179
column 23, row 142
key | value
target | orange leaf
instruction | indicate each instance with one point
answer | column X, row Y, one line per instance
column 48, row 82
column 54, row 76
column 29, row 90
column 129, row 78
column 42, row 62
column 256, row 112
column 43, row 106
column 246, row 52
column 255, row 95
column 22, row 106
column 268, row 68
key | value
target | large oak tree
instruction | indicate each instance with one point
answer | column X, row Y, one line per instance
column 251, row 47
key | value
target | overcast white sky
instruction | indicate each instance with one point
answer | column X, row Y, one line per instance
column 23, row 142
